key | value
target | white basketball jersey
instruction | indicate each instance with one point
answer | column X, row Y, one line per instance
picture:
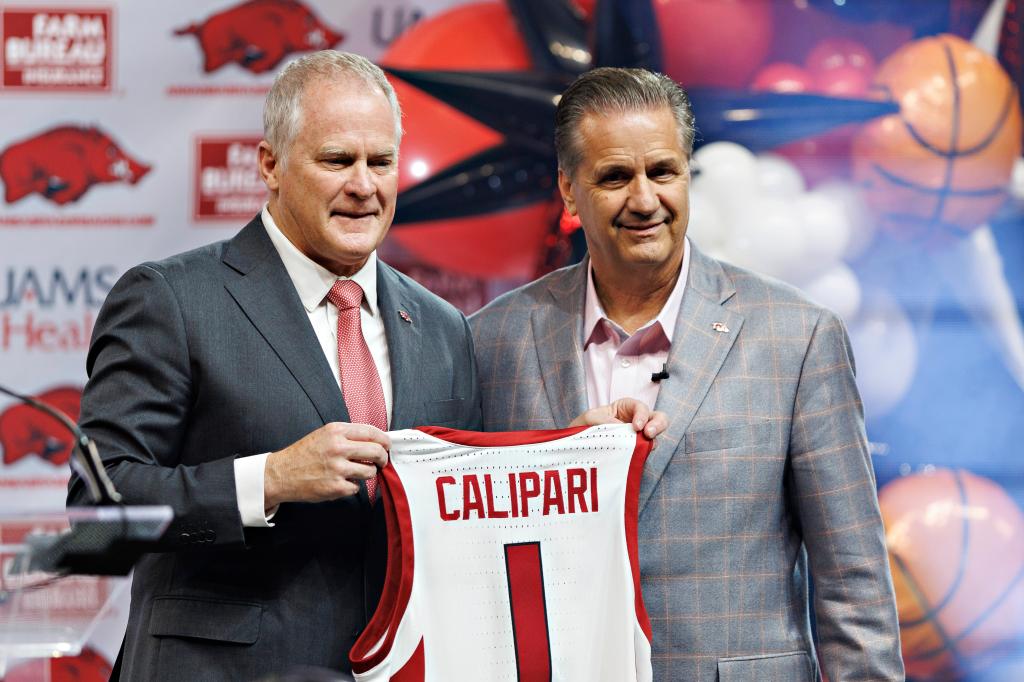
column 512, row 557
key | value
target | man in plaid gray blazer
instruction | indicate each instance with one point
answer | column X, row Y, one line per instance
column 763, row 476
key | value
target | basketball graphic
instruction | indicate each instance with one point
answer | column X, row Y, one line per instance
column 940, row 167
column 956, row 550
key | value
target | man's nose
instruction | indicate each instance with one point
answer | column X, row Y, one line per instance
column 359, row 182
column 643, row 198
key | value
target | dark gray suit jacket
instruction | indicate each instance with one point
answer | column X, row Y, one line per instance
column 208, row 356
column 762, row 475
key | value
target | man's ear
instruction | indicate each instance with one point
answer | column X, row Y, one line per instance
column 565, row 189
column 269, row 167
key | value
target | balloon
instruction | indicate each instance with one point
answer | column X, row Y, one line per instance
column 783, row 77
column 724, row 172
column 886, row 351
column 823, row 157
column 837, row 289
column 706, row 227
column 826, row 230
column 859, row 219
column 840, row 53
column 940, row 167
column 842, row 81
column 714, row 42
column 956, row 550
column 777, row 177
column 479, row 36
column 768, row 238
column 508, row 244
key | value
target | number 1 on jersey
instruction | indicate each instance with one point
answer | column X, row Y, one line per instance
column 529, row 611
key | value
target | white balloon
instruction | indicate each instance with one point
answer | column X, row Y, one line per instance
column 778, row 177
column 886, row 351
column 768, row 239
column 826, row 230
column 727, row 175
column 706, row 228
column 858, row 217
column 837, row 289
column 1017, row 179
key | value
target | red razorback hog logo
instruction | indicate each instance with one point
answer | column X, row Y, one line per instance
column 25, row 431
column 62, row 164
column 258, row 34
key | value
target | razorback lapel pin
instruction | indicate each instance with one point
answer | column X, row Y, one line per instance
column 720, row 327
column 405, row 316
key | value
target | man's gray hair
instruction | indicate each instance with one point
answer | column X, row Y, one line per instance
column 616, row 90
column 282, row 111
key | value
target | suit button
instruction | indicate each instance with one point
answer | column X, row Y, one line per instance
column 185, row 537
column 209, row 536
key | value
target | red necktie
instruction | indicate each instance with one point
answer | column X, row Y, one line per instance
column 360, row 382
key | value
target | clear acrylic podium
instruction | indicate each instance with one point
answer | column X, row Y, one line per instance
column 60, row 573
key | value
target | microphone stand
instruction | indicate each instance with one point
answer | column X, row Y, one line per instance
column 104, row 541
column 85, row 454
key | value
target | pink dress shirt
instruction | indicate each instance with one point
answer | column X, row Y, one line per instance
column 619, row 365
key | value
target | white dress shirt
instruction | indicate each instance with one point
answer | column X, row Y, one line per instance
column 620, row 365
column 312, row 282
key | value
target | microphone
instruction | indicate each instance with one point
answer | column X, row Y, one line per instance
column 657, row 377
column 86, row 456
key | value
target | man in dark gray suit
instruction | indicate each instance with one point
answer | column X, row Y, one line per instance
column 218, row 386
column 763, row 474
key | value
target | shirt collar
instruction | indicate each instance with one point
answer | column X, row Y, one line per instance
column 593, row 312
column 312, row 281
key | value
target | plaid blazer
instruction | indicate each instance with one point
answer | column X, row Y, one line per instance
column 762, row 478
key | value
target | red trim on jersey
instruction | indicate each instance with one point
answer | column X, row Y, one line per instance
column 497, row 439
column 414, row 669
column 636, row 472
column 397, row 580
column 529, row 611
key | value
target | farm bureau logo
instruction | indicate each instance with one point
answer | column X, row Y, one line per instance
column 62, row 163
column 26, row 431
column 51, row 310
column 227, row 180
column 258, row 34
column 57, row 49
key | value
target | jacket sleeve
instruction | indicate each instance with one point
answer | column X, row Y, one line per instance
column 838, row 510
column 136, row 406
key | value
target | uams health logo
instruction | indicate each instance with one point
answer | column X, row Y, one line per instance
column 258, row 34
column 227, row 179
column 62, row 163
column 51, row 310
column 28, row 432
column 57, row 49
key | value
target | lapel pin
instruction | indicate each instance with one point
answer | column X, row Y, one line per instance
column 405, row 316
column 719, row 327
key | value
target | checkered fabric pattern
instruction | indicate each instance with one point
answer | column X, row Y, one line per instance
column 762, row 478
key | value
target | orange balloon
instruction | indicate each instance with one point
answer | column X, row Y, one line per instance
column 940, row 167
column 956, row 550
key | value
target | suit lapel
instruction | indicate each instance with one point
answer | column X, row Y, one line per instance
column 698, row 351
column 404, row 337
column 557, row 332
column 267, row 296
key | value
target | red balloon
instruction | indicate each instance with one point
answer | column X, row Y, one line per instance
column 822, row 157
column 480, row 36
column 842, row 81
column 714, row 42
column 783, row 77
column 840, row 53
